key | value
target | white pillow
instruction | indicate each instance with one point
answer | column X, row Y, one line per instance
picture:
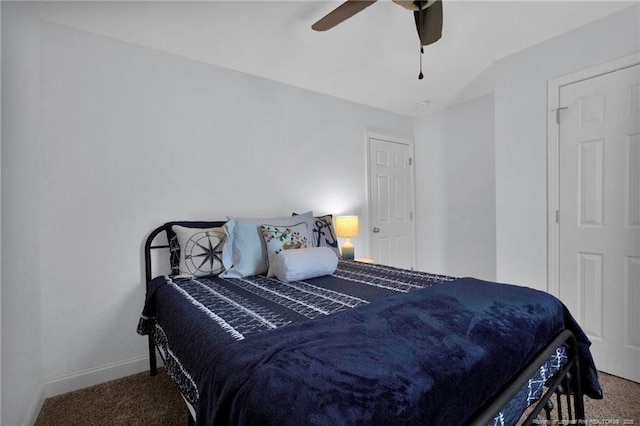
column 302, row 264
column 200, row 250
column 245, row 254
column 278, row 238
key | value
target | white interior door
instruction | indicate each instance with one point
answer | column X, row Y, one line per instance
column 599, row 215
column 391, row 203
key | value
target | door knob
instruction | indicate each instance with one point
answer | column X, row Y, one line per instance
column 376, row 230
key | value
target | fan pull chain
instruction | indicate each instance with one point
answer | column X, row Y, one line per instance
column 420, row 76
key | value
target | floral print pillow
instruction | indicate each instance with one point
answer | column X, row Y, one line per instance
column 278, row 238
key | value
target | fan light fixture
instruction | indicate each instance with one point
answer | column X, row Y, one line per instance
column 414, row 6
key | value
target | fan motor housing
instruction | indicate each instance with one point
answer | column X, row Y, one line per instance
column 414, row 5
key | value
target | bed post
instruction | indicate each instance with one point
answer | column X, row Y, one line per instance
column 153, row 370
column 578, row 396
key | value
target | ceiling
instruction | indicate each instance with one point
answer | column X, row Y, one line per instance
column 370, row 59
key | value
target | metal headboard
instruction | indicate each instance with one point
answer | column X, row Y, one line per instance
column 149, row 244
column 148, row 271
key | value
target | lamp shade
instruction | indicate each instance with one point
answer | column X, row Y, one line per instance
column 347, row 226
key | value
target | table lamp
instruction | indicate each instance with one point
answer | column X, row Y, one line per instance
column 347, row 227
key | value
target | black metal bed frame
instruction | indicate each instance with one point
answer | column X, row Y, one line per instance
column 565, row 383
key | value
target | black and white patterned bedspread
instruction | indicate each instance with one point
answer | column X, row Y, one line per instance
column 191, row 319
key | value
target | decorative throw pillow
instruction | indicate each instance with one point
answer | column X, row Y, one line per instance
column 200, row 250
column 172, row 239
column 297, row 265
column 324, row 235
column 279, row 238
column 245, row 253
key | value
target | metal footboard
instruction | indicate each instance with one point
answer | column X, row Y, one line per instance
column 565, row 382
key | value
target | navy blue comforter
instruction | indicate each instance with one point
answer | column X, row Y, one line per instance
column 419, row 358
column 431, row 356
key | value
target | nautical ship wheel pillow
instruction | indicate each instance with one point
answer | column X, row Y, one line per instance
column 200, row 250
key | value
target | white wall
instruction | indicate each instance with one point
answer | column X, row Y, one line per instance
column 133, row 137
column 21, row 279
column 455, row 198
column 520, row 130
column 0, row 223
column 105, row 140
column 459, row 232
column 108, row 140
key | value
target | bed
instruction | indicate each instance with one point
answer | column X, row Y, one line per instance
column 364, row 344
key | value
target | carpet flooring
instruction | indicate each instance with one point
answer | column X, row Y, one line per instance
column 137, row 400
column 144, row 400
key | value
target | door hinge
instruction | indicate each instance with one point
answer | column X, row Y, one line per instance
column 410, row 161
column 410, row 215
column 557, row 216
column 558, row 113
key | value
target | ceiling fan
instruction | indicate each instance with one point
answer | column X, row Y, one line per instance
column 427, row 15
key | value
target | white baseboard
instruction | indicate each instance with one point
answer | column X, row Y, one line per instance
column 70, row 382
column 36, row 405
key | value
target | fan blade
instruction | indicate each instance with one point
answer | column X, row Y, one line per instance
column 343, row 12
column 429, row 23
